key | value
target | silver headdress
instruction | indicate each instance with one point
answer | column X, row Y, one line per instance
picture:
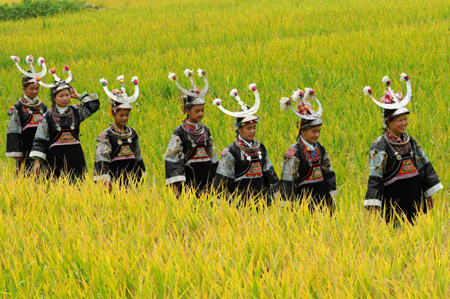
column 34, row 74
column 246, row 115
column 58, row 84
column 302, row 100
column 393, row 101
column 193, row 96
column 120, row 96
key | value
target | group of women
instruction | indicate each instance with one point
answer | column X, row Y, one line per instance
column 46, row 141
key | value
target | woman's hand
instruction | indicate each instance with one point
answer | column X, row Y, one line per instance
column 73, row 93
column 109, row 185
column 430, row 203
column 176, row 190
column 36, row 167
column 19, row 159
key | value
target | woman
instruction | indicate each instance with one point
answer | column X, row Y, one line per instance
column 118, row 156
column 307, row 171
column 245, row 170
column 24, row 116
column 401, row 178
column 190, row 157
column 57, row 143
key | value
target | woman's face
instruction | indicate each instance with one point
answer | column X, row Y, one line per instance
column 248, row 132
column 31, row 90
column 121, row 118
column 196, row 113
column 62, row 98
column 312, row 134
column 398, row 124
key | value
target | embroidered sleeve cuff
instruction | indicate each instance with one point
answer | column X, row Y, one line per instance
column 14, row 155
column 103, row 177
column 38, row 155
column 85, row 97
column 178, row 178
column 372, row 202
column 333, row 193
column 433, row 190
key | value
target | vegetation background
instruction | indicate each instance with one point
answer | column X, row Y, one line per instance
column 67, row 241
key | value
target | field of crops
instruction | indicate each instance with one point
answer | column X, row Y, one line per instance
column 61, row 241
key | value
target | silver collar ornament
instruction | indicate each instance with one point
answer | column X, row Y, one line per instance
column 58, row 84
column 398, row 103
column 34, row 75
column 194, row 92
column 246, row 113
column 304, row 99
column 121, row 96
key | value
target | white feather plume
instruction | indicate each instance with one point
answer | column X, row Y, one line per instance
column 200, row 72
column 403, row 77
column 172, row 76
column 385, row 80
column 297, row 96
column 284, row 103
column 188, row 72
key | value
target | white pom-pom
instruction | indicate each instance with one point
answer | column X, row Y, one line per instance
column 40, row 61
column 103, row 81
column 297, row 95
column 284, row 103
column 309, row 93
column 15, row 58
column 217, row 102
column 404, row 77
column 29, row 59
column 201, row 72
column 172, row 76
column 367, row 90
column 135, row 80
column 233, row 92
column 252, row 87
column 188, row 72
column 386, row 80
column 120, row 78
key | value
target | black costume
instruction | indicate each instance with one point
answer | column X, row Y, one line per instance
column 23, row 123
column 118, row 156
column 191, row 157
column 308, row 173
column 401, row 177
column 57, row 139
column 246, row 172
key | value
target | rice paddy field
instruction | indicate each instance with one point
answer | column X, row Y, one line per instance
column 64, row 241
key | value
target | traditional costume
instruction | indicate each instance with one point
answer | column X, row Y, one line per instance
column 57, row 138
column 401, row 177
column 306, row 168
column 24, row 117
column 191, row 156
column 118, row 154
column 245, row 169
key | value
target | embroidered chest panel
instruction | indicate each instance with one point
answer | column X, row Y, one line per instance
column 34, row 121
column 407, row 170
column 66, row 138
column 315, row 176
column 255, row 171
column 125, row 152
column 200, row 155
